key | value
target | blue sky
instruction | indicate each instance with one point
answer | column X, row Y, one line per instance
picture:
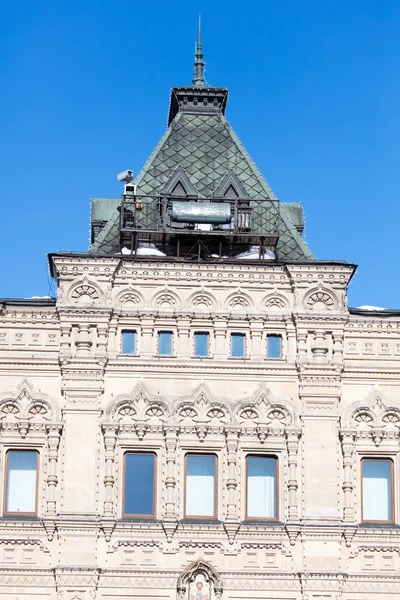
column 314, row 96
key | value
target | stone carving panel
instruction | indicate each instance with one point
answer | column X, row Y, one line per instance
column 320, row 300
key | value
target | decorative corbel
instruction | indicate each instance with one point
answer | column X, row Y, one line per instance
column 348, row 533
column 231, row 530
column 108, row 526
column 201, row 430
column 140, row 428
column 377, row 435
column 23, row 428
column 293, row 530
column 50, row 528
column 262, row 432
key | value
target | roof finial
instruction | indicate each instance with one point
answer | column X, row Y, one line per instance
column 198, row 79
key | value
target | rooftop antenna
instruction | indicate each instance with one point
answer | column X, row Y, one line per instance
column 198, row 79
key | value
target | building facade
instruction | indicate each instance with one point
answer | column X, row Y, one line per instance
column 198, row 415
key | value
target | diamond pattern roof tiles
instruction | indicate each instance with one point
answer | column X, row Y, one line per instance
column 207, row 148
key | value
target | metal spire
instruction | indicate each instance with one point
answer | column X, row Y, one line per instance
column 198, row 79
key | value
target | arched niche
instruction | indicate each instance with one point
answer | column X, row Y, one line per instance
column 199, row 581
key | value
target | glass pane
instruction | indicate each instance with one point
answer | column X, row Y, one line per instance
column 261, row 487
column 139, row 484
column 376, row 490
column 274, row 346
column 21, row 481
column 128, row 342
column 201, row 344
column 200, row 485
column 237, row 344
column 165, row 343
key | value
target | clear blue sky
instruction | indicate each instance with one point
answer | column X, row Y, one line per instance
column 314, row 96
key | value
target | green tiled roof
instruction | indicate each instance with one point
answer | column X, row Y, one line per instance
column 206, row 146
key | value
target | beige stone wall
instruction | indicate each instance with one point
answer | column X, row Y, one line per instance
column 67, row 390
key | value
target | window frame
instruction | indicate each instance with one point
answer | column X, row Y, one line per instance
column 134, row 353
column 213, row 517
column 247, row 516
column 159, row 331
column 7, row 513
column 138, row 515
column 199, row 332
column 375, row 458
column 244, row 336
column 278, row 335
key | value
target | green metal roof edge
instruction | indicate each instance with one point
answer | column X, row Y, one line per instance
column 256, row 171
column 94, row 249
column 263, row 182
column 296, row 235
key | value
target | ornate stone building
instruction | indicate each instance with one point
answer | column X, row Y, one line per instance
column 198, row 415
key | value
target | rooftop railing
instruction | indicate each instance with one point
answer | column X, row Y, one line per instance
column 216, row 216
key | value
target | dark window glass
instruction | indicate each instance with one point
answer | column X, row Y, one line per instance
column 165, row 343
column 261, row 487
column 128, row 342
column 376, row 490
column 238, row 345
column 201, row 344
column 139, row 484
column 274, row 346
column 21, row 481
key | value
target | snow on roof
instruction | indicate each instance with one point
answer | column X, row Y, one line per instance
column 367, row 307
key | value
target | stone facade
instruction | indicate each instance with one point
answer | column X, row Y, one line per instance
column 68, row 392
column 321, row 410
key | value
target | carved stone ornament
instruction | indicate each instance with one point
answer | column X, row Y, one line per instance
column 199, row 581
column 84, row 293
column 201, row 301
column 375, row 417
column 319, row 300
column 275, row 302
column 238, row 301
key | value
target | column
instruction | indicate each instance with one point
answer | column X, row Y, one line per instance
column 232, row 441
column 347, row 440
column 110, row 437
column 53, row 441
column 171, row 435
column 292, row 444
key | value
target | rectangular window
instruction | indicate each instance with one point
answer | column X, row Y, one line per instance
column 261, row 487
column 200, row 485
column 21, row 483
column 274, row 346
column 129, row 342
column 238, row 345
column 139, row 484
column 377, row 489
column 165, row 343
column 201, row 344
